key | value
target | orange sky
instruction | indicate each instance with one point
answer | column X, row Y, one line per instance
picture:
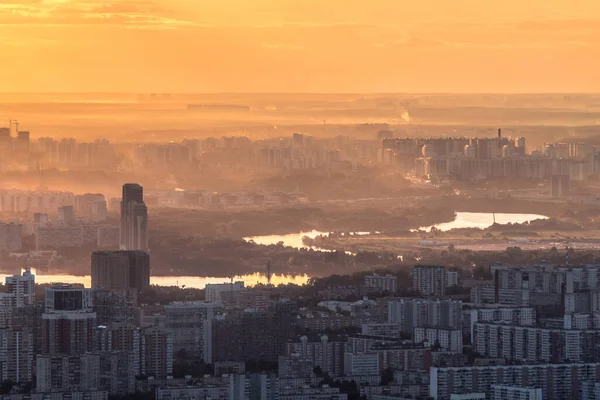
column 300, row 45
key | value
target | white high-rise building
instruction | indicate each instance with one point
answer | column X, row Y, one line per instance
column 503, row 392
column 22, row 287
column 385, row 283
column 430, row 280
column 448, row 339
column 421, row 312
column 560, row 381
column 213, row 290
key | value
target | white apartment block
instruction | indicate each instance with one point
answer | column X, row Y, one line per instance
column 450, row 340
column 535, row 344
column 410, row 313
column 22, row 287
column 503, row 392
column 213, row 290
column 383, row 330
column 361, row 364
column 213, row 392
column 590, row 390
column 382, row 283
column 557, row 381
column 429, row 280
column 524, row 316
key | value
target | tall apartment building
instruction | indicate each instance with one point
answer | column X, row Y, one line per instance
column 450, row 340
column 361, row 364
column 326, row 351
column 536, row 344
column 121, row 270
column 22, row 287
column 557, row 381
column 55, row 237
column 504, row 392
column 189, row 325
column 68, row 322
column 10, row 237
column 119, row 348
column 523, row 316
column 431, row 280
column 16, row 354
column 425, row 313
column 590, row 390
column 61, row 373
column 382, row 283
column 213, row 291
column 134, row 218
column 156, row 353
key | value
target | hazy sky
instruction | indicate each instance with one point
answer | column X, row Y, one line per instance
column 300, row 45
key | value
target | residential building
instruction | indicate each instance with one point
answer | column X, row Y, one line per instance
column 68, row 322
column 16, row 354
column 156, row 353
column 410, row 313
column 63, row 373
column 382, row 283
column 361, row 364
column 535, row 344
column 325, row 351
column 213, row 291
column 558, row 381
column 121, row 270
column 22, row 287
column 189, row 327
column 10, row 237
column 450, row 340
column 503, row 392
column 430, row 280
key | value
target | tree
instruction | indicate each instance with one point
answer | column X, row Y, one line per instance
column 318, row 371
column 6, row 386
column 387, row 376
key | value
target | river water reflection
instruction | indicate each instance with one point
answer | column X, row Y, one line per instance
column 463, row 220
column 484, row 220
column 188, row 281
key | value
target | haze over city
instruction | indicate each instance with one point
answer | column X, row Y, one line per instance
column 299, row 200
column 270, row 46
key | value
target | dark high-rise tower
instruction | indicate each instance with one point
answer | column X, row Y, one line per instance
column 134, row 218
column 121, row 270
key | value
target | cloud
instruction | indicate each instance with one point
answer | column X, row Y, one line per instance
column 128, row 14
column 420, row 42
column 283, row 46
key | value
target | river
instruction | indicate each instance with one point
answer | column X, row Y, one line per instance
column 188, row 281
column 462, row 220
column 483, row 220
